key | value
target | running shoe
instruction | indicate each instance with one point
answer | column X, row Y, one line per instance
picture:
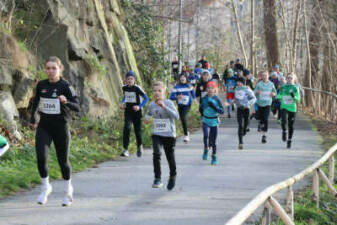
column 284, row 136
column 68, row 199
column 205, row 155
column 157, row 183
column 45, row 192
column 125, row 153
column 187, row 138
column 240, row 146
column 289, row 144
column 214, row 160
column 140, row 151
column 171, row 183
column 264, row 139
column 247, row 129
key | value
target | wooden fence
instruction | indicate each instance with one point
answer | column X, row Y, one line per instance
column 266, row 196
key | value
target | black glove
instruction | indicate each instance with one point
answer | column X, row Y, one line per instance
column 292, row 94
column 211, row 104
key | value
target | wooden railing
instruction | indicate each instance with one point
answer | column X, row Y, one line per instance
column 266, row 196
column 287, row 214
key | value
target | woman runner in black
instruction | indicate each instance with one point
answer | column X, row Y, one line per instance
column 55, row 98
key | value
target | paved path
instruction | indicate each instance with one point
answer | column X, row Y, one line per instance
column 119, row 192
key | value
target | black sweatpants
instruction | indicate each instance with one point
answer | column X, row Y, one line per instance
column 243, row 121
column 291, row 121
column 168, row 144
column 183, row 111
column 135, row 119
column 59, row 133
column 264, row 112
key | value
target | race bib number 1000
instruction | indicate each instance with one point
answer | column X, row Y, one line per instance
column 130, row 97
column 50, row 106
column 161, row 125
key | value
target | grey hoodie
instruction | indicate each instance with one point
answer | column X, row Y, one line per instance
column 244, row 97
column 163, row 118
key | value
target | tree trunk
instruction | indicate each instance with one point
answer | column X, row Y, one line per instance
column 239, row 32
column 293, row 49
column 270, row 29
column 252, row 41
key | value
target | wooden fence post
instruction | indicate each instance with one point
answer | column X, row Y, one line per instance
column 315, row 187
column 332, row 169
column 266, row 215
column 327, row 182
column 280, row 211
column 290, row 203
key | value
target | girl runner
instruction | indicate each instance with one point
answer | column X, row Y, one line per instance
column 56, row 98
column 183, row 93
column 164, row 113
column 210, row 108
column 289, row 97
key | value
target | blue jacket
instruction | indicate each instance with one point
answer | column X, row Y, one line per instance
column 183, row 89
column 230, row 84
column 210, row 108
column 193, row 78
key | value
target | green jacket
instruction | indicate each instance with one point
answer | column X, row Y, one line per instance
column 287, row 101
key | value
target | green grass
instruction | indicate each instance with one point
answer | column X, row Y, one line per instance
column 93, row 141
column 306, row 212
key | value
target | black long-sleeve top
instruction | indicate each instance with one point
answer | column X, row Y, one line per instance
column 47, row 99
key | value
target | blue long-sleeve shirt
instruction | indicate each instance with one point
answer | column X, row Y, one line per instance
column 186, row 90
column 210, row 108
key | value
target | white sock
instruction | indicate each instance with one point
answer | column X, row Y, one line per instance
column 67, row 185
column 45, row 181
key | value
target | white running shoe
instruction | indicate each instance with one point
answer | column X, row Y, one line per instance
column 68, row 199
column 45, row 192
column 125, row 153
column 186, row 138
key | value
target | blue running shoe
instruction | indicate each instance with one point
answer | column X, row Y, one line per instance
column 214, row 160
column 205, row 155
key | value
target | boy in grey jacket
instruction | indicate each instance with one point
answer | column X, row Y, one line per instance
column 244, row 98
column 164, row 113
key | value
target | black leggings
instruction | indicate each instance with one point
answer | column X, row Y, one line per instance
column 135, row 119
column 263, row 112
column 183, row 111
column 291, row 121
column 169, row 144
column 58, row 132
column 242, row 116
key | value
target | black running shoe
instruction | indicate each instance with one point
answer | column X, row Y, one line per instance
column 171, row 183
column 247, row 129
column 284, row 136
column 289, row 144
column 264, row 139
column 139, row 151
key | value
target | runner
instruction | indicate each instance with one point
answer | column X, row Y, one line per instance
column 289, row 97
column 203, row 62
column 4, row 146
column 264, row 92
column 244, row 99
column 275, row 105
column 210, row 108
column 163, row 133
column 132, row 112
column 202, row 85
column 56, row 98
column 216, row 77
column 276, row 69
column 183, row 93
column 229, row 88
column 175, row 68
column 193, row 78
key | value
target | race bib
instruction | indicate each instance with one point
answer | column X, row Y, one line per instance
column 193, row 81
column 175, row 66
column 288, row 100
column 184, row 100
column 203, row 94
column 50, row 106
column 130, row 97
column 265, row 95
column 240, row 95
column 161, row 125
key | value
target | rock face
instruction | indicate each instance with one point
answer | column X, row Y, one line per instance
column 94, row 47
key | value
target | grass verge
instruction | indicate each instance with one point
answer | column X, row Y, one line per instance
column 93, row 141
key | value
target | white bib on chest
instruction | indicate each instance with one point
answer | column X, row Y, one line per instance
column 288, row 100
column 265, row 95
column 50, row 106
column 161, row 125
column 130, row 97
column 184, row 100
column 240, row 95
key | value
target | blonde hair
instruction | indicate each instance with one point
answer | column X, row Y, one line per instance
column 159, row 84
column 295, row 79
